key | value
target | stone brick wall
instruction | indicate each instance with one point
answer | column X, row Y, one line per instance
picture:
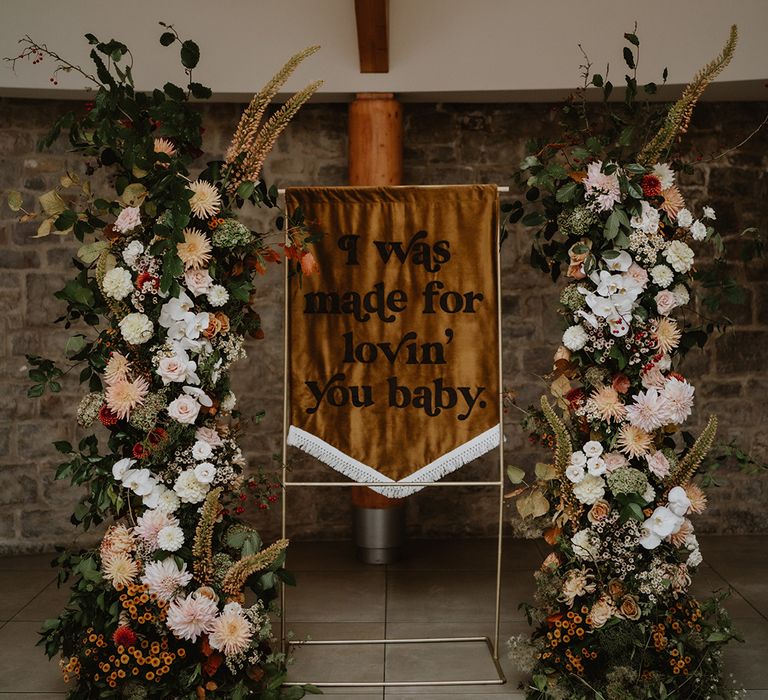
column 444, row 144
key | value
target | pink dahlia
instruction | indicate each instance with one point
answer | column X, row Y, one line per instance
column 649, row 411
column 678, row 396
column 192, row 616
column 123, row 396
column 602, row 190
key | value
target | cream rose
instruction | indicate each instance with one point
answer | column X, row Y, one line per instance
column 184, row 409
column 198, row 281
column 666, row 301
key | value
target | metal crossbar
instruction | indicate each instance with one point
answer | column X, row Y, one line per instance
column 499, row 680
column 492, row 644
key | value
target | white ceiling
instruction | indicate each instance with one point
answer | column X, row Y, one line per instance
column 479, row 50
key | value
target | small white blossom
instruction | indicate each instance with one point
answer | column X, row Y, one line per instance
column 575, row 473
column 709, row 213
column 205, row 472
column 592, row 449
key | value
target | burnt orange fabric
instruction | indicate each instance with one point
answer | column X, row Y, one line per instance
column 393, row 344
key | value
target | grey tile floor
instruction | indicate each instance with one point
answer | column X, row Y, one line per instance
column 439, row 589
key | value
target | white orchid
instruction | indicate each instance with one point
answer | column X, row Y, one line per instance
column 620, row 263
column 174, row 310
column 140, row 481
column 679, row 502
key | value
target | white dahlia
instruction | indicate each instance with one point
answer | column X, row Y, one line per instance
column 117, row 283
column 136, row 328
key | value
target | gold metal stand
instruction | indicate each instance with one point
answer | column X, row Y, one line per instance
column 492, row 644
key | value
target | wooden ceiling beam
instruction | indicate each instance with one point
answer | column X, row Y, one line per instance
column 373, row 35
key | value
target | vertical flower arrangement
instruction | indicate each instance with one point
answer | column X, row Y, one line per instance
column 614, row 616
column 176, row 600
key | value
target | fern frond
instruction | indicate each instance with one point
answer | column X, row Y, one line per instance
column 687, row 466
column 240, row 571
column 679, row 115
column 202, row 548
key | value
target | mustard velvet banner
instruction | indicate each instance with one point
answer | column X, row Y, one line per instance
column 393, row 366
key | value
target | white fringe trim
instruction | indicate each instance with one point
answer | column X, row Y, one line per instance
column 362, row 473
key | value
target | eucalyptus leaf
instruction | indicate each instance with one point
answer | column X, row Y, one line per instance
column 15, row 200
column 90, row 252
column 52, row 203
column 515, row 474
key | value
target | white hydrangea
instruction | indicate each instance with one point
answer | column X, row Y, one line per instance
column 682, row 294
column 590, row 489
column 117, row 283
column 647, row 221
column 132, row 252
column 662, row 276
column 694, row 558
column 698, row 231
column 575, row 338
column 228, row 403
column 189, row 489
column 585, row 544
column 684, row 218
column 170, row 538
column 136, row 328
column 217, row 295
column 679, row 256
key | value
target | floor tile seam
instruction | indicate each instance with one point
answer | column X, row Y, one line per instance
column 13, row 618
column 747, row 600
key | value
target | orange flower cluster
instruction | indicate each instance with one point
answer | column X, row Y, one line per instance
column 685, row 616
column 214, row 223
column 71, row 667
column 570, row 628
column 143, row 659
column 140, row 605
